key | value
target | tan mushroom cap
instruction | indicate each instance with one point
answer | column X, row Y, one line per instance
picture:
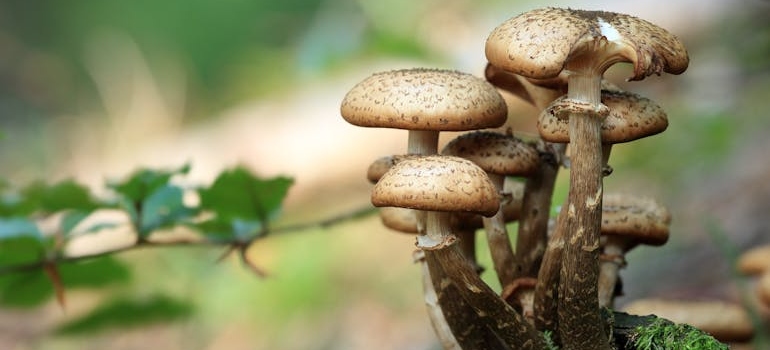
column 540, row 43
column 763, row 288
column 755, row 261
column 381, row 165
column 424, row 99
column 724, row 321
column 399, row 219
column 437, row 183
column 630, row 118
column 494, row 152
column 514, row 196
column 642, row 219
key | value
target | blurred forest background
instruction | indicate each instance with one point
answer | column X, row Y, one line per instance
column 92, row 90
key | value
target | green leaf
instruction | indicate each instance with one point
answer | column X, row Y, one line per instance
column 163, row 208
column 238, row 194
column 144, row 182
column 25, row 290
column 242, row 203
column 98, row 272
column 20, row 241
column 64, row 195
column 125, row 313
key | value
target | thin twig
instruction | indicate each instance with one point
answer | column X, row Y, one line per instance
column 186, row 242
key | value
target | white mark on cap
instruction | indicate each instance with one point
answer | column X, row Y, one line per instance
column 608, row 30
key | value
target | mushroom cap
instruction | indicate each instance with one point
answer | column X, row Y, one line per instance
column 511, row 206
column 755, row 261
column 763, row 288
column 724, row 321
column 424, row 99
column 437, row 183
column 642, row 220
column 540, row 43
column 378, row 168
column 496, row 153
column 630, row 118
column 399, row 219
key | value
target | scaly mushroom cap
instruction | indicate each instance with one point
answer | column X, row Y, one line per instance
column 437, row 183
column 725, row 321
column 494, row 152
column 424, row 99
column 540, row 43
column 642, row 220
column 755, row 261
column 630, row 118
column 381, row 165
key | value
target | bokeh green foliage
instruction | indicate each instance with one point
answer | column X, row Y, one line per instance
column 34, row 267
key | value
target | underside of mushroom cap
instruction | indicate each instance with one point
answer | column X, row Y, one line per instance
column 424, row 99
column 539, row 43
column 437, row 183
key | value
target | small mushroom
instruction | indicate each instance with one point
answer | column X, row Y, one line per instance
column 499, row 156
column 627, row 221
column 727, row 322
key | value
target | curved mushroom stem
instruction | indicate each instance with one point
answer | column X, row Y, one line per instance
column 435, row 314
column 609, row 267
column 548, row 279
column 497, row 236
column 580, row 321
column 478, row 317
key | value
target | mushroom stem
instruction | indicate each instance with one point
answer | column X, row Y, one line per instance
column 532, row 237
column 435, row 314
column 580, row 321
column 547, row 288
column 497, row 236
column 609, row 268
column 478, row 317
column 423, row 142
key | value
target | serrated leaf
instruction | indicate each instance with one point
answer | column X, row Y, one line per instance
column 65, row 195
column 243, row 202
column 144, row 182
column 125, row 313
column 163, row 208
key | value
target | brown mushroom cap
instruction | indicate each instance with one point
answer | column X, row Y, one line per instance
column 496, row 153
column 755, row 261
column 763, row 288
column 399, row 219
column 630, row 117
column 437, row 183
column 424, row 99
column 540, row 43
column 643, row 220
column 724, row 321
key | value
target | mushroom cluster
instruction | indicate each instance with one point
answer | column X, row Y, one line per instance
column 558, row 273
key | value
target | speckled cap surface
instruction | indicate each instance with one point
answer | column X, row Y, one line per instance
column 630, row 117
column 437, row 183
column 539, row 43
column 424, row 99
column 642, row 219
column 494, row 152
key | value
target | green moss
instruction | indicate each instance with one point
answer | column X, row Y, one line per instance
column 662, row 334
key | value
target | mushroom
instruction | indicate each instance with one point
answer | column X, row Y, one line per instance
column 763, row 289
column 630, row 117
column 440, row 185
column 627, row 221
column 727, row 322
column 542, row 44
column 499, row 156
column 756, row 262
column 424, row 101
column 435, row 314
